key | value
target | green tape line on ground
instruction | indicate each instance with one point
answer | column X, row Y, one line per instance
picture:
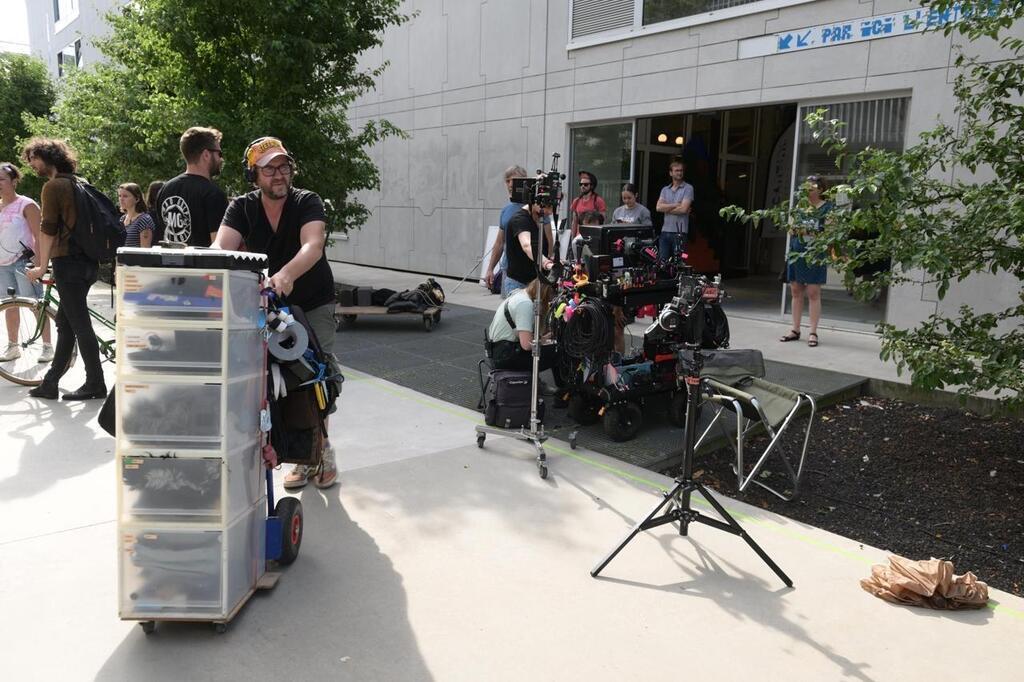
column 772, row 526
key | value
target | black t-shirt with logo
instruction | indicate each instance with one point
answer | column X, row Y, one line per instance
column 521, row 267
column 190, row 207
column 245, row 214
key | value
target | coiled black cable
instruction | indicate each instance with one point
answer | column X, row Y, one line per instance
column 589, row 332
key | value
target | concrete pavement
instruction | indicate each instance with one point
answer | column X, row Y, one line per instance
column 434, row 560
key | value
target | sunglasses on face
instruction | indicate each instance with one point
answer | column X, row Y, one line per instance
column 584, row 184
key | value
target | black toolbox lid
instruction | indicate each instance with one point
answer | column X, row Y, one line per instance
column 191, row 257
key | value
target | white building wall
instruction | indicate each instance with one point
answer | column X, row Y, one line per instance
column 80, row 19
column 479, row 85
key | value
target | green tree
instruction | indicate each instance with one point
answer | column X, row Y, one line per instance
column 948, row 208
column 27, row 91
column 287, row 69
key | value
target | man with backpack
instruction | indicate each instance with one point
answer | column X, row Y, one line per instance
column 289, row 225
column 75, row 262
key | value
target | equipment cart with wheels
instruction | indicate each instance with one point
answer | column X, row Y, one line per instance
column 196, row 525
column 347, row 314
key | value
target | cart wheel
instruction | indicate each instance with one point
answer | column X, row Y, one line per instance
column 289, row 510
column 437, row 317
column 542, row 469
column 572, row 440
column 349, row 319
column 220, row 628
column 148, row 626
column 480, row 437
column 622, row 422
column 583, row 410
column 428, row 322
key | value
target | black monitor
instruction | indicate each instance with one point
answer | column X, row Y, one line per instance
column 601, row 238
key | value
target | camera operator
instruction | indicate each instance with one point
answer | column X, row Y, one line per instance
column 523, row 230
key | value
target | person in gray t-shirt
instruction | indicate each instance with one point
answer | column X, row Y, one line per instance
column 631, row 212
column 675, row 201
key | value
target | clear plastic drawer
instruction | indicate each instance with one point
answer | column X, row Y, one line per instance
column 178, row 571
column 189, row 294
column 169, row 485
column 159, row 348
column 183, row 412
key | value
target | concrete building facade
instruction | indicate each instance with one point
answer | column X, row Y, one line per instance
column 63, row 32
column 619, row 87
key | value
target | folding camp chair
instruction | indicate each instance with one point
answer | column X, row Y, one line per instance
column 736, row 384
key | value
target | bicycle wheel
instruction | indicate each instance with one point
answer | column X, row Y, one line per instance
column 27, row 369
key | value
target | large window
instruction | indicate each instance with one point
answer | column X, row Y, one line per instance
column 607, row 152
column 879, row 123
column 69, row 58
column 656, row 11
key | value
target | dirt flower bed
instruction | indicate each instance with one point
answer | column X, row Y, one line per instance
column 917, row 481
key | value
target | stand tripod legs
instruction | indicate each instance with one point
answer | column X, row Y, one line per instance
column 680, row 495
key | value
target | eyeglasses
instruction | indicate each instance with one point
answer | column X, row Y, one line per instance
column 584, row 184
column 215, row 150
column 270, row 171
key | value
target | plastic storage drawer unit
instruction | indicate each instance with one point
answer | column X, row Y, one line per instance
column 155, row 347
column 187, row 571
column 166, row 293
column 199, row 486
column 185, row 412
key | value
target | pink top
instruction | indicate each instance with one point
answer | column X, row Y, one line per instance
column 15, row 231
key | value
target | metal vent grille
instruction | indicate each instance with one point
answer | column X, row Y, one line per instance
column 596, row 16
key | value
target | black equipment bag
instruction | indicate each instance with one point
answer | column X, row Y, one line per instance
column 97, row 232
column 716, row 327
column 507, row 400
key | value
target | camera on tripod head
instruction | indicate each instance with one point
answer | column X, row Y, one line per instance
column 684, row 317
column 544, row 190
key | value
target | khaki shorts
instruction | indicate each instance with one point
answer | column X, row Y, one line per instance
column 321, row 319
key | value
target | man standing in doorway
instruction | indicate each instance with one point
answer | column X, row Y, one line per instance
column 74, row 273
column 289, row 225
column 675, row 201
column 498, row 250
column 190, row 205
column 588, row 200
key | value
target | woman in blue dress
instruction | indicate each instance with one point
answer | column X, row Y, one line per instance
column 806, row 278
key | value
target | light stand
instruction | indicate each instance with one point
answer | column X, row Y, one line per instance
column 693, row 361
column 548, row 196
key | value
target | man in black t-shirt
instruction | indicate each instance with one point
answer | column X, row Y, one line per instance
column 520, row 240
column 289, row 225
column 190, row 205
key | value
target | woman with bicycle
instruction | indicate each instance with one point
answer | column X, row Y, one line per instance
column 19, row 233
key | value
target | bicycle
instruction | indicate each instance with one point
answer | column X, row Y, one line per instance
column 33, row 318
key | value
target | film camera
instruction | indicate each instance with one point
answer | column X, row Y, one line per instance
column 694, row 317
column 545, row 189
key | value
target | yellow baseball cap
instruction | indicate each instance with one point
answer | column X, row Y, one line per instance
column 264, row 151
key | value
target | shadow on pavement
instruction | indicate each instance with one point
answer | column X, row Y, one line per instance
column 339, row 612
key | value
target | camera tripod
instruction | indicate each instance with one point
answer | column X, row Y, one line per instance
column 685, row 485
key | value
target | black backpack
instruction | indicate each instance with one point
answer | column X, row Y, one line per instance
column 507, row 399
column 98, row 232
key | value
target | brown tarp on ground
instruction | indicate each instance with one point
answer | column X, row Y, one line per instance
column 930, row 584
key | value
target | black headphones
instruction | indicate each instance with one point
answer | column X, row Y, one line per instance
column 247, row 171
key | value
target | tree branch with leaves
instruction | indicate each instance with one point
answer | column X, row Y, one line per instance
column 946, row 209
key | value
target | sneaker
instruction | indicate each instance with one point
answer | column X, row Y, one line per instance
column 47, row 354
column 326, row 477
column 327, row 472
column 13, row 352
column 299, row 477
